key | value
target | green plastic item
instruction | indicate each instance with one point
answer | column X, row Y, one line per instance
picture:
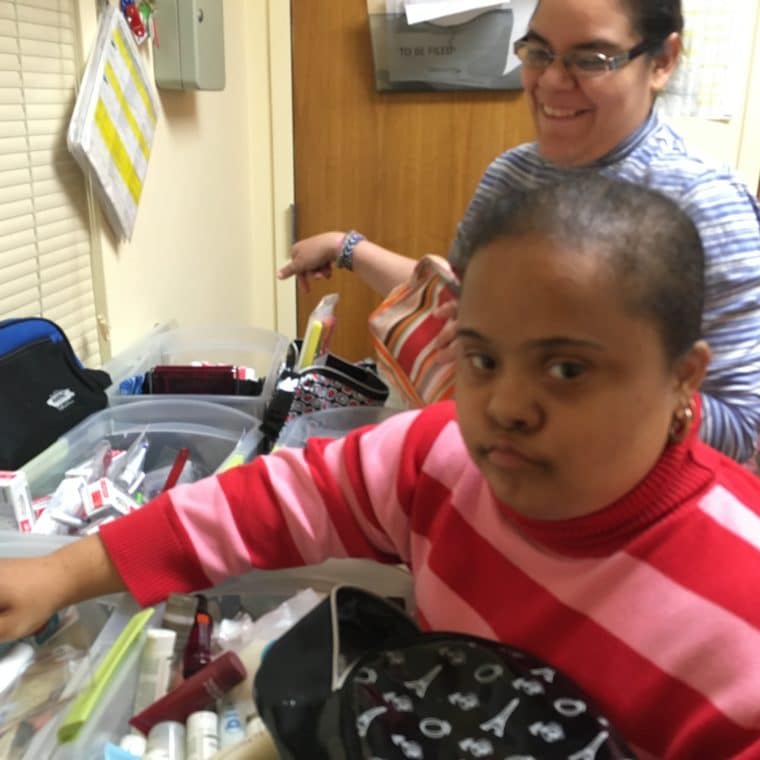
column 87, row 699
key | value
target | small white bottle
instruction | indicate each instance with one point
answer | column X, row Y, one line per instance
column 201, row 735
column 135, row 744
column 166, row 741
column 231, row 730
column 154, row 669
column 13, row 665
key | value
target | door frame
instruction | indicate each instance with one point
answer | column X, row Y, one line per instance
column 749, row 144
column 283, row 186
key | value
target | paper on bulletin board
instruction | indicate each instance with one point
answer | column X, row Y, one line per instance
column 707, row 82
column 452, row 44
column 114, row 120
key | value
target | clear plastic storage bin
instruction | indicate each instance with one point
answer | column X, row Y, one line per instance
column 258, row 592
column 210, row 431
column 102, row 620
column 257, row 348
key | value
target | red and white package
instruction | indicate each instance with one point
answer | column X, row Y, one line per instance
column 15, row 501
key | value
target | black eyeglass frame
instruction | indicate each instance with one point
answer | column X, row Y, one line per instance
column 609, row 62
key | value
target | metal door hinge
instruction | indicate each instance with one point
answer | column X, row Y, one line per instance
column 293, row 224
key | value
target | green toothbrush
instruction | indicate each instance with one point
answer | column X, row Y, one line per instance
column 89, row 696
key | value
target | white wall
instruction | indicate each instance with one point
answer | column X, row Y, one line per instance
column 749, row 146
column 203, row 249
column 735, row 142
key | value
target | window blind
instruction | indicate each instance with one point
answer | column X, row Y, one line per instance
column 45, row 250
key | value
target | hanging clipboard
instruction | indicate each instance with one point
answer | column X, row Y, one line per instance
column 114, row 121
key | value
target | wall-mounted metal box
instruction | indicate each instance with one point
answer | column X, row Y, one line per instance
column 190, row 50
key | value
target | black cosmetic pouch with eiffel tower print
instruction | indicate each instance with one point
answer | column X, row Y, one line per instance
column 356, row 678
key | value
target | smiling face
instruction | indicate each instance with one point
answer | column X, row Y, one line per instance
column 564, row 398
column 579, row 120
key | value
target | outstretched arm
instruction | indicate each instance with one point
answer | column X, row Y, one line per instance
column 315, row 257
column 34, row 588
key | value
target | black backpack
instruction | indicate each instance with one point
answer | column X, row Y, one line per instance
column 44, row 389
column 356, row 678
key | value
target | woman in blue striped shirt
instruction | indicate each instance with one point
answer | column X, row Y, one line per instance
column 592, row 70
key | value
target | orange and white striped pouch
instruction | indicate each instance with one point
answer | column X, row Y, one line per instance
column 403, row 329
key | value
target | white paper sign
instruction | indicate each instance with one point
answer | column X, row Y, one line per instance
column 522, row 10
column 447, row 11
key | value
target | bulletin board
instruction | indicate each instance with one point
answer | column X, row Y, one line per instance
column 709, row 82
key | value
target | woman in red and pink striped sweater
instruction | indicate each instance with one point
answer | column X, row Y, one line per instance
column 564, row 504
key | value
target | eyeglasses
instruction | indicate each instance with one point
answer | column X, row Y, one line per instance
column 582, row 63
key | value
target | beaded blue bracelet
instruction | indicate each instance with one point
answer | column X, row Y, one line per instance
column 345, row 259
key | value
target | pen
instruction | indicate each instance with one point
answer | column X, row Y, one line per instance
column 176, row 470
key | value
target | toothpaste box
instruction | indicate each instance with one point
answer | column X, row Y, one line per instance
column 103, row 494
column 15, row 501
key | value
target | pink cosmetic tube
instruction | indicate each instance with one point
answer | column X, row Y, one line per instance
column 199, row 692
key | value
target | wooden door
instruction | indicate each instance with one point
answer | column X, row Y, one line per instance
column 398, row 167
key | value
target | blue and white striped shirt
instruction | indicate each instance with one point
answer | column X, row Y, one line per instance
column 728, row 220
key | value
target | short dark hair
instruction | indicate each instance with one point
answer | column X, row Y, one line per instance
column 650, row 244
column 655, row 19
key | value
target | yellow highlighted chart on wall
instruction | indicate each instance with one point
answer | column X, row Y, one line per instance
column 114, row 120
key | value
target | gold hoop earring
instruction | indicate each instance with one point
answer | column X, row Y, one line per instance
column 681, row 423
